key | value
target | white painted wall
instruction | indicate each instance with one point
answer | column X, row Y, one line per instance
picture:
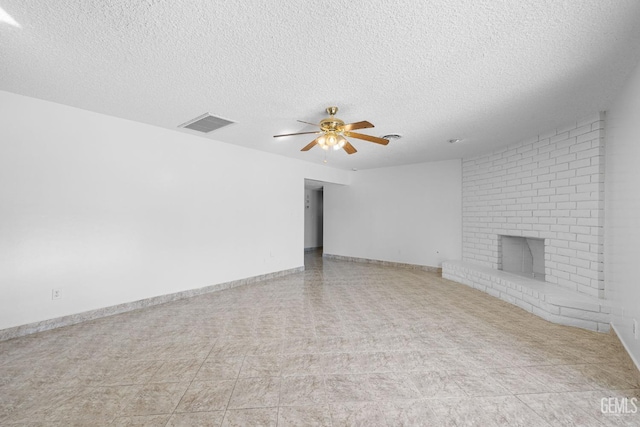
column 407, row 214
column 113, row 211
column 313, row 219
column 622, row 212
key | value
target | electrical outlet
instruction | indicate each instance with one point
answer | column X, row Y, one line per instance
column 56, row 293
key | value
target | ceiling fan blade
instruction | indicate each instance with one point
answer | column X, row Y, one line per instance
column 350, row 149
column 357, row 125
column 367, row 137
column 298, row 133
column 310, row 145
column 308, row 123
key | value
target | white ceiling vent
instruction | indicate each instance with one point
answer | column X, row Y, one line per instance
column 206, row 123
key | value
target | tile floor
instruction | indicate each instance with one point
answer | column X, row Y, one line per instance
column 340, row 344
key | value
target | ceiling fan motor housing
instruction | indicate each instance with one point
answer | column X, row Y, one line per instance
column 331, row 124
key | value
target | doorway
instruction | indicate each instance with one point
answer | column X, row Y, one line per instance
column 313, row 215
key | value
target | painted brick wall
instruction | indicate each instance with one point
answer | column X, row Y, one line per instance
column 550, row 187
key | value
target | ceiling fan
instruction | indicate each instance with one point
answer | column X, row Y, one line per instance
column 333, row 132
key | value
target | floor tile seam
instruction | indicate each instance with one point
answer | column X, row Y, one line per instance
column 97, row 387
column 632, row 389
column 198, row 411
column 537, row 365
column 226, row 409
column 165, row 424
column 285, row 405
column 33, row 410
column 192, row 379
column 589, row 390
column 331, row 416
column 251, row 407
column 279, row 397
column 508, row 392
column 541, row 415
column 121, row 414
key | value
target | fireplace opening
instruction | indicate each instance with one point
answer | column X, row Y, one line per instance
column 523, row 256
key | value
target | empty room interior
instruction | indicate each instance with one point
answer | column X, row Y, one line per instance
column 333, row 213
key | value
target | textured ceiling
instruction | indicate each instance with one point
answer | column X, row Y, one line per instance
column 489, row 72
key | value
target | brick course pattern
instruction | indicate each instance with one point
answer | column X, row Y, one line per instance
column 550, row 187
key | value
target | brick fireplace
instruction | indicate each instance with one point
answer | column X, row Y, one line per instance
column 550, row 187
column 548, row 190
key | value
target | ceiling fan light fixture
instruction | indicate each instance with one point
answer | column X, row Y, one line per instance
column 331, row 139
column 322, row 142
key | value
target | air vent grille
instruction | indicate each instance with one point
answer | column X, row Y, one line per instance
column 206, row 123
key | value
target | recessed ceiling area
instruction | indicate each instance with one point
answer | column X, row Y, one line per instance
column 486, row 72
